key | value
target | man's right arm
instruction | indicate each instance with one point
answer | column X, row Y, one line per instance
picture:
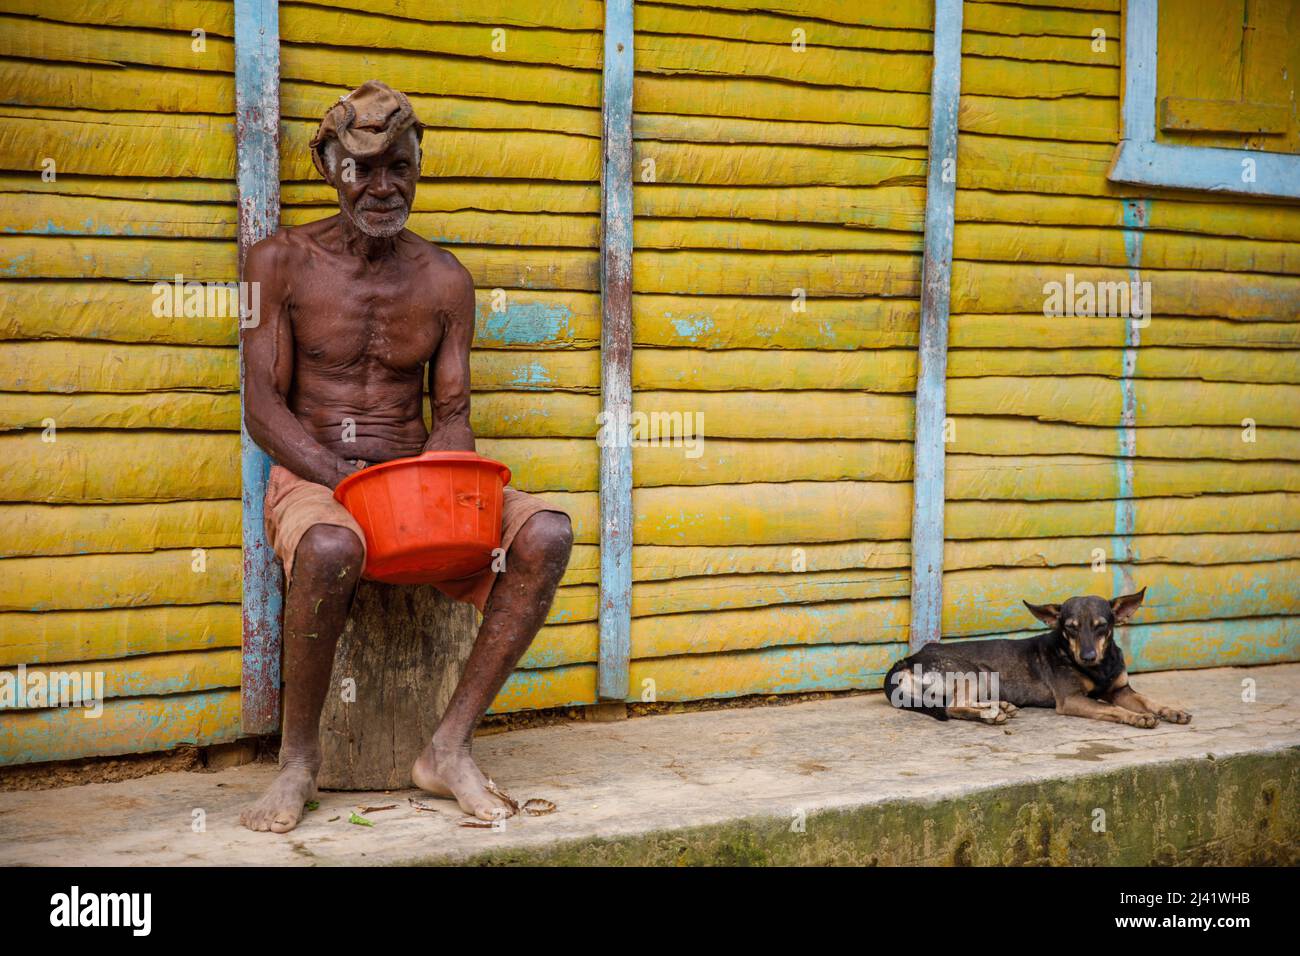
column 268, row 373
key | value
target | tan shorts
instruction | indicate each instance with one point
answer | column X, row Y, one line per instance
column 294, row 504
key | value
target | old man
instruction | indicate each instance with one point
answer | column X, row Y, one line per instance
column 354, row 308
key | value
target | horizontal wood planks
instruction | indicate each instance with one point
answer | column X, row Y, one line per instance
column 104, row 521
column 127, row 566
column 777, row 558
column 1202, row 307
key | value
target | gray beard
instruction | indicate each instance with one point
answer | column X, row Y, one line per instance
column 386, row 232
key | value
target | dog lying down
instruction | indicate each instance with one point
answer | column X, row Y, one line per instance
column 1076, row 667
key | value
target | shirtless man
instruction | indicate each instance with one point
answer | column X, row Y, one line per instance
column 353, row 308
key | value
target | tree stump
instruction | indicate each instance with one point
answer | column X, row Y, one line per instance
column 397, row 663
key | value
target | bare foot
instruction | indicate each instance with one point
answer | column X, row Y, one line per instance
column 453, row 773
column 281, row 806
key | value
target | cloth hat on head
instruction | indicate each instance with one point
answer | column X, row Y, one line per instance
column 366, row 122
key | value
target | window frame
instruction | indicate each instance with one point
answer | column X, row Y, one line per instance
column 1140, row 160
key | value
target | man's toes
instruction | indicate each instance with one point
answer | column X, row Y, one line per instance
column 492, row 812
column 483, row 805
column 283, row 822
column 254, row 820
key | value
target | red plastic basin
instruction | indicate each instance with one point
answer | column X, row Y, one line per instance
column 433, row 518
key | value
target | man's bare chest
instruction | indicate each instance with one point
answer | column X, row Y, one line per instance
column 340, row 324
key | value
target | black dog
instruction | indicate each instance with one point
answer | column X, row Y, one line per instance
column 1076, row 667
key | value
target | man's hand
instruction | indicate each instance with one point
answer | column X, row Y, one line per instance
column 346, row 467
column 452, row 439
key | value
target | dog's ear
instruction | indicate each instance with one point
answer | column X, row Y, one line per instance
column 1049, row 614
column 1125, row 606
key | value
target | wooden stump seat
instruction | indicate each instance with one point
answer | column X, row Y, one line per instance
column 397, row 663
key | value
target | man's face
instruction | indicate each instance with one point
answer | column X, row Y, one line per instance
column 376, row 192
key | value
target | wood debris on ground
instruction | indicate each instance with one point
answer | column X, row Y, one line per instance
column 533, row 807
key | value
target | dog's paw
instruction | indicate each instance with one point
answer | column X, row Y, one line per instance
column 993, row 714
column 1145, row 721
column 1008, row 708
column 1174, row 716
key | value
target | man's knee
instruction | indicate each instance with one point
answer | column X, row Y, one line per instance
column 330, row 551
column 544, row 541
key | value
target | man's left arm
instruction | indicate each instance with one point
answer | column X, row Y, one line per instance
column 449, row 372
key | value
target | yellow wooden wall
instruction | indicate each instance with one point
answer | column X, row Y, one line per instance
column 1035, row 479
column 773, row 170
column 1233, row 85
column 98, row 527
column 759, row 170
column 776, row 169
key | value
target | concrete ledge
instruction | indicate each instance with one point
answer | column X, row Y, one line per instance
column 870, row 784
column 1237, row 811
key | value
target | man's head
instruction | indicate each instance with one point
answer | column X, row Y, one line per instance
column 368, row 148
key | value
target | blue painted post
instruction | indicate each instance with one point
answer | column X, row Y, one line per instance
column 257, row 135
column 1139, row 108
column 932, row 358
column 1136, row 217
column 616, row 356
column 1139, row 121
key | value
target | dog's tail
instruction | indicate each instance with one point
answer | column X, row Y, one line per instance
column 908, row 698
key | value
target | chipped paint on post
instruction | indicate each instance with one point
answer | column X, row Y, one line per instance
column 257, row 132
column 615, row 617
column 1136, row 216
column 932, row 354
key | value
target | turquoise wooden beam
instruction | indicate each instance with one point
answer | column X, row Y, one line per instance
column 615, row 615
column 932, row 359
column 257, row 142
